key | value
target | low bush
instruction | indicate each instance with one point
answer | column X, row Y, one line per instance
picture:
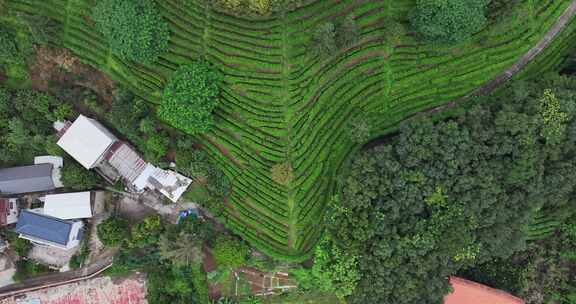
column 112, row 231
column 230, row 252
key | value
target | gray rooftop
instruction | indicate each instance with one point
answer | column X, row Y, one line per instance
column 44, row 227
column 35, row 178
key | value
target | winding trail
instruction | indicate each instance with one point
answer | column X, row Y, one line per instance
column 96, row 268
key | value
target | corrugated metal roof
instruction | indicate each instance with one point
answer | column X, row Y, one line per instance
column 126, row 161
column 44, row 227
column 26, row 179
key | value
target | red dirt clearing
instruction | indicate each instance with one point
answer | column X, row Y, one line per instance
column 468, row 292
column 101, row 290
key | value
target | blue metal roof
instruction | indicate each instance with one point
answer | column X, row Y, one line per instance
column 44, row 227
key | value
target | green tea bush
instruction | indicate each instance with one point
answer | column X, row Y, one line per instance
column 133, row 28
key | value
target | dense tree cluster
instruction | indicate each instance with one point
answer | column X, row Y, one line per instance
column 190, row 98
column 447, row 195
column 329, row 37
column 170, row 255
column 135, row 119
column 544, row 273
column 134, row 29
column 26, row 118
column 197, row 165
column 448, row 21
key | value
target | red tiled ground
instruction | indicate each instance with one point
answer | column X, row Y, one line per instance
column 468, row 292
column 95, row 291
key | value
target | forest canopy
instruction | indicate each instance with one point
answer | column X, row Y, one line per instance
column 447, row 195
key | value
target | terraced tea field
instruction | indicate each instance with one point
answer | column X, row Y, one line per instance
column 280, row 104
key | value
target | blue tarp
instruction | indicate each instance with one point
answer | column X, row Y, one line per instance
column 44, row 227
column 186, row 213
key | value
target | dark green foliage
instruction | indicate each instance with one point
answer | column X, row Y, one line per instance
column 359, row 130
column 230, row 253
column 134, row 29
column 393, row 32
column 544, row 273
column 26, row 118
column 157, row 249
column 42, row 30
column 112, row 231
column 448, row 21
column 76, row 177
column 20, row 246
column 147, row 232
column 26, row 269
column 348, row 32
column 135, row 119
column 9, row 52
column 78, row 259
column 323, row 42
column 195, row 164
column 447, row 195
column 190, row 98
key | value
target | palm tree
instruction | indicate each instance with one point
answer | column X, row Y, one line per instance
column 184, row 251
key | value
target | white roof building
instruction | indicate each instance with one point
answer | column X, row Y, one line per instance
column 87, row 141
column 171, row 184
column 67, row 206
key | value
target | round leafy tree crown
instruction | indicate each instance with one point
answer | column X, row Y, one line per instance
column 190, row 98
column 448, row 21
column 134, row 29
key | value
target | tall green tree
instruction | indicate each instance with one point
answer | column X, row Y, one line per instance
column 185, row 250
column 446, row 195
column 190, row 97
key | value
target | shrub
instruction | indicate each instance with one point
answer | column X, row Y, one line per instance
column 230, row 252
column 146, row 232
column 112, row 231
column 27, row 268
column 8, row 49
column 323, row 41
column 393, row 32
column 78, row 178
column 348, row 32
column 190, row 97
column 20, row 246
column 358, row 130
column 448, row 21
column 282, row 173
column 134, row 29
